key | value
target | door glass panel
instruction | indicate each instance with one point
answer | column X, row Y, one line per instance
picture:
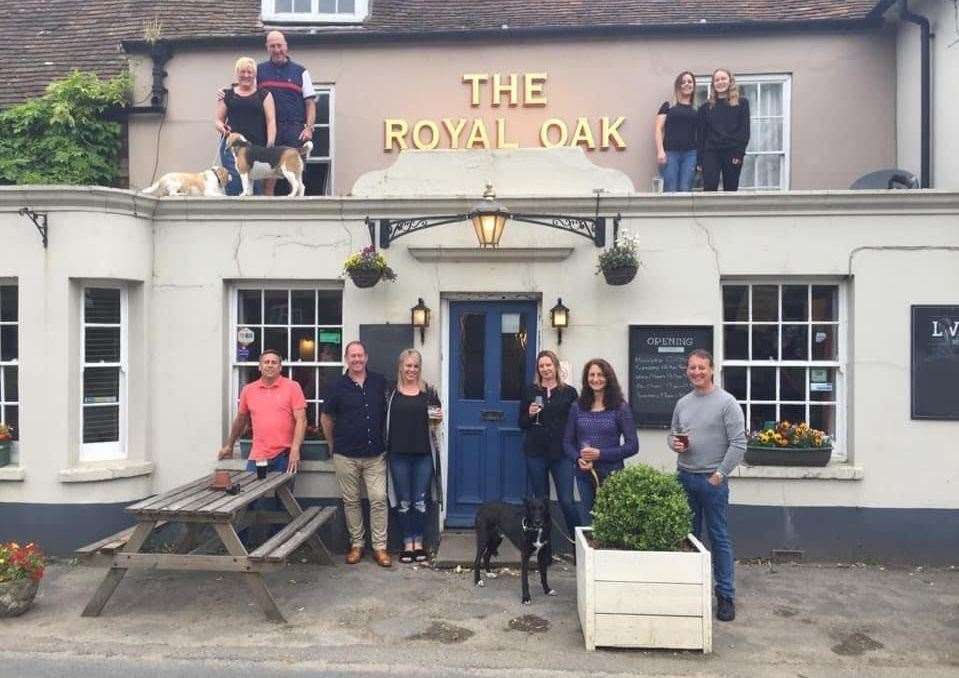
column 513, row 356
column 472, row 355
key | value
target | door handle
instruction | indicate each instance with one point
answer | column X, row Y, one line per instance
column 492, row 415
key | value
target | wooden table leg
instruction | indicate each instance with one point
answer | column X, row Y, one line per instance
column 293, row 507
column 253, row 580
column 109, row 584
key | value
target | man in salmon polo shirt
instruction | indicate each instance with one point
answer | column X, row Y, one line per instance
column 278, row 410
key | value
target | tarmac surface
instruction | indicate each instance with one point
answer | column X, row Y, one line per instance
column 792, row 620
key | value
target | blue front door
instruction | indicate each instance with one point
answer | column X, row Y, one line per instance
column 492, row 353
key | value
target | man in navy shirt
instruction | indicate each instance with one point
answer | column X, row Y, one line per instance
column 353, row 415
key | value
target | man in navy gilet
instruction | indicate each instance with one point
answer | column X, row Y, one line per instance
column 293, row 95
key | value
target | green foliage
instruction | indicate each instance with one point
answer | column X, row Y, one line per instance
column 642, row 509
column 62, row 136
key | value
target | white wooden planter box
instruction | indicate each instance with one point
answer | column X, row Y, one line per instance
column 644, row 599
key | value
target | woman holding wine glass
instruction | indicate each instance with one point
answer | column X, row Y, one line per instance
column 542, row 415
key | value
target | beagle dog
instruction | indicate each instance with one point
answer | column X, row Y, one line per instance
column 283, row 161
column 209, row 183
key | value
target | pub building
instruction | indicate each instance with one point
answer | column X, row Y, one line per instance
column 129, row 324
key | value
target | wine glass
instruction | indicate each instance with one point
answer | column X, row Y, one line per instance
column 538, row 401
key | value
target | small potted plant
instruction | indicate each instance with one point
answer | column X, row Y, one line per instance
column 620, row 262
column 366, row 267
column 21, row 569
column 641, row 579
column 787, row 444
column 6, row 443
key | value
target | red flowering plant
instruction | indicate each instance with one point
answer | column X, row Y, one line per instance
column 6, row 432
column 20, row 562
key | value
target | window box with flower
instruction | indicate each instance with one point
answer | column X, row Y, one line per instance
column 366, row 267
column 6, row 443
column 21, row 569
column 787, row 444
column 619, row 263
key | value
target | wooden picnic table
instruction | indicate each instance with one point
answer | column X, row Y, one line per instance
column 197, row 506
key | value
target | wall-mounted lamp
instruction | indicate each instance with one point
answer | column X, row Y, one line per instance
column 489, row 218
column 307, row 349
column 559, row 319
column 420, row 317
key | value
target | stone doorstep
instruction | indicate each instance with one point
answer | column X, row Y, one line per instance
column 458, row 547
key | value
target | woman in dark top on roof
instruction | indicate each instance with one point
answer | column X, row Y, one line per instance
column 723, row 133
column 677, row 136
column 249, row 111
column 600, row 432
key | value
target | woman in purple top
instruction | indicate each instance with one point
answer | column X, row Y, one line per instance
column 600, row 432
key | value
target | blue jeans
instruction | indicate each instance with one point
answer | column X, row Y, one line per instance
column 538, row 470
column 412, row 475
column 234, row 186
column 587, row 491
column 711, row 503
column 679, row 171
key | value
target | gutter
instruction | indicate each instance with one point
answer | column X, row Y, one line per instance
column 925, row 172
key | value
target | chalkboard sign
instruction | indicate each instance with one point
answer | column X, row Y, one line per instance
column 657, row 368
column 384, row 344
column 935, row 362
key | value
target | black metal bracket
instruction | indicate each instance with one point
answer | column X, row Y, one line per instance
column 591, row 228
column 39, row 220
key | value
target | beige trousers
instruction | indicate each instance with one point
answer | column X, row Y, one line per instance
column 350, row 471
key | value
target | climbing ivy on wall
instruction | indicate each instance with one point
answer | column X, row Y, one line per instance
column 62, row 137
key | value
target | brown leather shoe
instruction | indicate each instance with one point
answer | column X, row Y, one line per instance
column 382, row 558
column 354, row 555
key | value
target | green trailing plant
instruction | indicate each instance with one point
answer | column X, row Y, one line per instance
column 62, row 137
column 642, row 509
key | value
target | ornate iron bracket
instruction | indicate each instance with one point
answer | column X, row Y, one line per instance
column 39, row 220
column 591, row 228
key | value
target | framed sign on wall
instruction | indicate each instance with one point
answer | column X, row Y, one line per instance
column 935, row 362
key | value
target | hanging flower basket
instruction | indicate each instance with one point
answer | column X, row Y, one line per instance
column 619, row 263
column 620, row 275
column 367, row 267
column 366, row 278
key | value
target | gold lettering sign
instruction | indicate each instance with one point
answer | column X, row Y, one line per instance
column 502, row 92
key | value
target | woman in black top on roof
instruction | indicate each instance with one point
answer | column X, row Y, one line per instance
column 724, row 133
column 249, row 111
column 677, row 136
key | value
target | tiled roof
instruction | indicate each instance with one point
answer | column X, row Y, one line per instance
column 46, row 39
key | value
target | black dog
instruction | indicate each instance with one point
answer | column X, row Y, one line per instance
column 527, row 526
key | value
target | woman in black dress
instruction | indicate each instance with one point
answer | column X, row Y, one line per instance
column 723, row 133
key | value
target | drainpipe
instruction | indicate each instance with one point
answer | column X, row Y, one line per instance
column 925, row 49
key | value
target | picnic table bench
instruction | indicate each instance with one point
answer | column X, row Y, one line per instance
column 197, row 506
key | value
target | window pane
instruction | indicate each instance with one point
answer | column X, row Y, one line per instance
column 11, row 389
column 101, row 424
column 759, row 415
column 248, row 344
column 326, row 377
column 513, row 356
column 275, row 307
column 472, row 355
column 768, row 171
column 248, row 307
column 304, row 307
column 823, row 417
column 8, row 303
column 765, row 342
column 770, row 99
column 735, row 302
column 822, row 384
column 766, row 135
column 302, row 6
column 316, row 178
column 284, row 6
column 795, row 302
column 8, row 342
column 331, row 346
column 747, row 178
column 102, row 344
column 327, row 6
column 11, row 417
column 101, row 305
column 765, row 302
column 248, row 375
column 736, row 342
column 795, row 342
column 303, row 344
column 101, row 385
column 275, row 338
column 824, row 342
column 734, row 381
column 749, row 92
column 762, row 382
column 825, row 305
column 306, row 378
column 346, row 6
column 330, row 308
column 794, row 414
column 792, row 383
column 321, row 143
column 323, row 108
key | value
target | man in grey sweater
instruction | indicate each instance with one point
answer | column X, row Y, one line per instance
column 709, row 435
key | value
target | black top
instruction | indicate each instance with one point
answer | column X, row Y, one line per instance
column 724, row 127
column 546, row 437
column 244, row 114
column 682, row 127
column 409, row 424
column 359, row 413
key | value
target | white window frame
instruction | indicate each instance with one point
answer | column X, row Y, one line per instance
column 328, row 159
column 236, row 366
column 841, row 399
column 4, row 403
column 361, row 9
column 107, row 451
column 785, row 79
